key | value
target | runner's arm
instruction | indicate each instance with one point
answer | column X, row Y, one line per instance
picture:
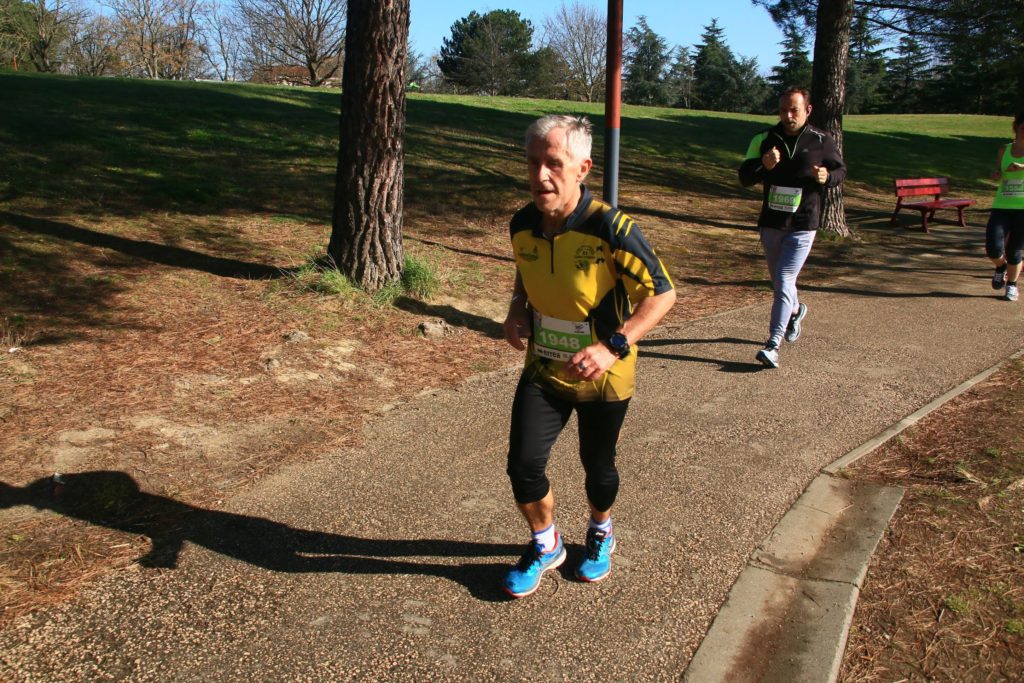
column 833, row 161
column 752, row 169
column 517, row 321
column 647, row 314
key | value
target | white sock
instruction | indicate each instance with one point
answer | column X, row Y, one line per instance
column 605, row 526
column 546, row 539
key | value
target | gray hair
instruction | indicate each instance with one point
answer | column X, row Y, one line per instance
column 579, row 136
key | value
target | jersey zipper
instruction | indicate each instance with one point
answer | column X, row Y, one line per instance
column 796, row 143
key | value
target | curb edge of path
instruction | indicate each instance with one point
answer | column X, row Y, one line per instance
column 788, row 615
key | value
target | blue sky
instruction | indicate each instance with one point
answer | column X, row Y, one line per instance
column 749, row 30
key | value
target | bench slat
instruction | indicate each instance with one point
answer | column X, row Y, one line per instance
column 913, row 182
column 918, row 191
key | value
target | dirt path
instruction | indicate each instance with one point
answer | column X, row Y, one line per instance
column 382, row 562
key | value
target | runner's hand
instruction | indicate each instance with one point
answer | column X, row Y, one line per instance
column 821, row 174
column 1015, row 166
column 517, row 327
column 590, row 363
column 771, row 158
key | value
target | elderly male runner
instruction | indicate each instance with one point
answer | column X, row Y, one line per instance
column 795, row 162
column 588, row 287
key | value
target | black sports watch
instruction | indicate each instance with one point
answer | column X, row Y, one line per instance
column 618, row 344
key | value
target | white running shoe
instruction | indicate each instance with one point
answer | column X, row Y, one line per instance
column 793, row 328
column 769, row 356
column 1011, row 292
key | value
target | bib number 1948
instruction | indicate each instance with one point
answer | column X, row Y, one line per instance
column 559, row 339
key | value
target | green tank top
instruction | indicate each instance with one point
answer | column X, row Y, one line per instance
column 1010, row 194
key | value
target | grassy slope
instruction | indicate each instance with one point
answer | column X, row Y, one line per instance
column 149, row 165
column 96, row 145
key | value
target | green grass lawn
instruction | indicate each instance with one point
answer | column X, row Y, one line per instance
column 237, row 178
column 85, row 146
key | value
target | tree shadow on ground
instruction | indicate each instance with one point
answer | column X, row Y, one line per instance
column 877, row 294
column 640, row 211
column 724, row 365
column 452, row 316
column 154, row 252
column 459, row 250
column 114, row 500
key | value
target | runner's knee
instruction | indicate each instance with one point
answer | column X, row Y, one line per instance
column 529, row 483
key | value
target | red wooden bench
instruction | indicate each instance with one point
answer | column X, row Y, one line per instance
column 927, row 187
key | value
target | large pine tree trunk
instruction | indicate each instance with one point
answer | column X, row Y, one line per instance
column 366, row 239
column 828, row 92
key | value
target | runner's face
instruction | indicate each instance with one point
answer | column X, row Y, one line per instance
column 555, row 176
column 793, row 112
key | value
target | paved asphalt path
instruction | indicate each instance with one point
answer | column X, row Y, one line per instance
column 384, row 563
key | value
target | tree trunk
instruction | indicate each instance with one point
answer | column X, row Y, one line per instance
column 828, row 92
column 366, row 239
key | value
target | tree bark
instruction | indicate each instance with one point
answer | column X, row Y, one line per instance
column 828, row 92
column 366, row 239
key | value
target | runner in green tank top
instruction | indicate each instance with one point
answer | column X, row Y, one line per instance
column 1004, row 237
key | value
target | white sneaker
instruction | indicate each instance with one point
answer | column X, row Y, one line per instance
column 793, row 328
column 769, row 356
column 1011, row 292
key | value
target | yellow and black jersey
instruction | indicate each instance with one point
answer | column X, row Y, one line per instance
column 596, row 270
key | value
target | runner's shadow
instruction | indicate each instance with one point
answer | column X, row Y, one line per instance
column 114, row 500
column 724, row 365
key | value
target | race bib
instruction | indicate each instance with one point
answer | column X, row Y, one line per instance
column 559, row 339
column 1012, row 188
column 786, row 199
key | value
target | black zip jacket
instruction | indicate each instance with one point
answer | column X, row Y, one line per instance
column 799, row 155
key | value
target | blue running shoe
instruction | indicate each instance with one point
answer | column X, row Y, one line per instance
column 597, row 560
column 524, row 578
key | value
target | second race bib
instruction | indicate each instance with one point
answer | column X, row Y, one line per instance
column 785, row 199
column 1012, row 188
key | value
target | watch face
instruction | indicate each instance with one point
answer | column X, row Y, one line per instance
column 619, row 344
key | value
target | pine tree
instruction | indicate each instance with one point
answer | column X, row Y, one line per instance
column 681, row 79
column 795, row 69
column 488, row 53
column 905, row 76
column 366, row 235
column 645, row 63
column 714, row 70
column 865, row 71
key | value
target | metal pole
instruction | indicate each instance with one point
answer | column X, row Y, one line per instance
column 613, row 103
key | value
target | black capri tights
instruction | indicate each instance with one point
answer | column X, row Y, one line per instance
column 1005, row 231
column 537, row 420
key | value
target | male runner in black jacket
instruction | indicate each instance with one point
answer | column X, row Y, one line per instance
column 795, row 162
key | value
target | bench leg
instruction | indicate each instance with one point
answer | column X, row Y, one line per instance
column 960, row 210
column 892, row 221
column 925, row 217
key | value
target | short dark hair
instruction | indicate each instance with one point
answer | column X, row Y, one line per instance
column 796, row 90
column 1018, row 119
